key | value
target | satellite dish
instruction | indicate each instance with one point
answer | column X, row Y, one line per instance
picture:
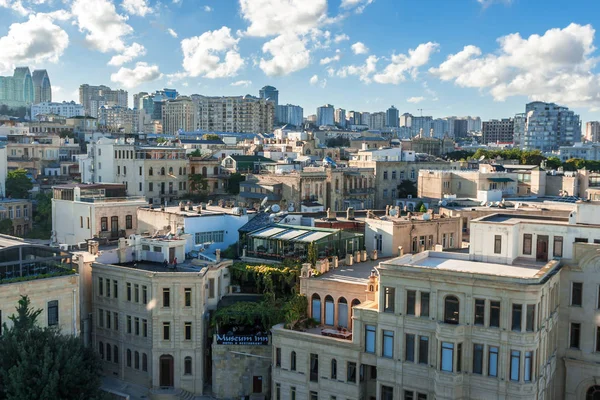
column 264, row 202
column 426, row 217
column 393, row 212
column 439, row 203
column 490, row 204
column 275, row 208
column 482, row 203
column 481, row 158
column 444, row 203
column 291, row 208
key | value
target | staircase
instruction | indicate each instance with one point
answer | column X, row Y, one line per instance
column 184, row 395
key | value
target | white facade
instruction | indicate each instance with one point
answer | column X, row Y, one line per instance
column 64, row 109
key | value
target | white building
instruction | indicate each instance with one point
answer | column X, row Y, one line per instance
column 585, row 151
column 64, row 109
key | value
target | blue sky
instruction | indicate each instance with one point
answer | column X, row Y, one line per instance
column 447, row 57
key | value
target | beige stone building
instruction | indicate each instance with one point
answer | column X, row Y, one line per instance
column 211, row 169
column 34, row 152
column 20, row 212
column 181, row 113
column 244, row 114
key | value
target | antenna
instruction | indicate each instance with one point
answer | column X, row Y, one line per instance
column 420, row 110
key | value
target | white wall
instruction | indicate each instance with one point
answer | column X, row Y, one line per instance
column 227, row 223
column 66, row 221
column 386, row 230
column 3, row 170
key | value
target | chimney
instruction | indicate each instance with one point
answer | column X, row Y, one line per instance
column 199, row 208
column 350, row 213
column 331, row 216
column 181, row 206
column 162, row 207
column 218, row 255
column 190, row 206
column 387, row 210
column 93, row 247
column 364, row 146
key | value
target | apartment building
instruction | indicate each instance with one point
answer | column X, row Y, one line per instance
column 36, row 151
column 180, row 114
column 498, row 130
column 93, row 97
column 211, row 169
column 117, row 119
column 20, row 212
column 546, row 126
column 243, row 114
column 64, row 109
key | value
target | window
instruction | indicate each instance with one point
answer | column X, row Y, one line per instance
column 136, row 360
column 316, row 307
column 581, row 240
column 101, row 286
column 451, row 314
column 278, row 357
column 385, row 174
column 137, row 326
column 314, row 395
column 53, row 313
column 116, row 289
column 293, row 393
column 128, row 291
column 211, row 288
column 351, row 372
column 129, row 222
column 334, row 369
column 314, row 367
column 144, row 295
column 576, row 293
column 166, row 297
column 477, row 358
column 187, row 297
column 459, row 357
column 187, row 366
column 108, row 288
column 493, row 361
column 411, row 300
column 447, row 356
column 293, row 361
column 116, row 354
column 389, row 299
column 424, row 304
column 141, row 171
column 370, row 338
column 278, row 391
column 136, row 293
column 515, row 364
column 144, row 362
column 116, row 321
column 497, row 244
column 574, row 336
column 101, row 349
column 423, row 350
column 409, row 395
column 517, row 311
column 145, row 327
column 166, row 331
column 494, row 314
column 188, row 330
column 527, row 239
column 388, row 344
column 128, row 358
column 530, row 317
column 558, row 246
column 329, row 310
column 479, row 318
column 598, row 339
column 387, row 393
column 81, row 222
column 409, row 347
column 104, row 224
column 528, row 367
column 421, row 396
column 210, row 237
column 385, row 193
column 108, row 352
column 129, row 324
column 150, row 186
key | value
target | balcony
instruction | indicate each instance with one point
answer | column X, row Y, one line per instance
column 359, row 191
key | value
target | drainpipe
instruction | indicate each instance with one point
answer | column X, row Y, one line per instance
column 75, row 310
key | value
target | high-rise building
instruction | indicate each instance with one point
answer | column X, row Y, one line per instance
column 354, row 118
column 392, row 117
column 440, row 127
column 473, row 124
column 325, row 115
column 548, row 126
column 365, row 118
column 419, row 124
column 460, row 129
column 42, row 90
column 137, row 100
column 289, row 114
column 118, row 119
column 64, row 109
column 93, row 97
column 243, row 114
column 406, row 120
column 592, row 131
column 179, row 114
column 378, row 120
column 339, row 117
column 498, row 130
column 269, row 93
column 17, row 90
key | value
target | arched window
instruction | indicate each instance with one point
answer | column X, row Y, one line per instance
column 128, row 358
column 333, row 368
column 316, row 308
column 170, row 170
column 162, row 171
column 329, row 310
column 293, row 361
column 116, row 354
column 216, row 171
column 342, row 312
column 593, row 393
column 150, row 171
column 193, row 170
column 451, row 313
column 204, row 171
column 136, row 360
column 216, row 185
column 145, row 362
column 337, row 184
column 101, row 349
column 355, row 303
column 187, row 366
column 108, row 352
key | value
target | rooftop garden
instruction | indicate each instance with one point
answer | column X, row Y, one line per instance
column 62, row 270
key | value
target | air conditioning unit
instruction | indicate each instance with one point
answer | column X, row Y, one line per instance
column 409, row 196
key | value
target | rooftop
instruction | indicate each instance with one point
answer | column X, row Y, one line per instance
column 354, row 274
column 210, row 210
column 148, row 266
column 516, row 219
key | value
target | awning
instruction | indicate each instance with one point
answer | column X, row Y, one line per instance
column 268, row 232
column 313, row 237
column 290, row 234
column 500, row 180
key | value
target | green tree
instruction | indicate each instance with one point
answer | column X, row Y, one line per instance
column 406, row 188
column 198, row 183
column 18, row 184
column 532, row 157
column 339, row 141
column 423, row 208
column 6, row 226
column 211, row 136
column 233, row 183
column 553, row 163
column 41, row 363
column 196, row 153
column 312, row 254
column 419, row 205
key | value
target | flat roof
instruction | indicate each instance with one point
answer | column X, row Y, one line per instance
column 515, row 219
column 9, row 241
column 354, row 274
column 148, row 266
column 211, row 210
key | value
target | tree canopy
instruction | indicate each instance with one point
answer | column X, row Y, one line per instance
column 18, row 184
column 210, row 136
column 233, row 183
column 406, row 188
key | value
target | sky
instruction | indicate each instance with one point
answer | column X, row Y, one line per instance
column 483, row 58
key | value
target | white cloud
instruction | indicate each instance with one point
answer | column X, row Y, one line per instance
column 172, row 32
column 487, row 3
column 359, row 48
column 274, row 17
column 327, row 60
column 104, row 26
column 402, row 64
column 314, row 80
column 241, row 83
column 415, row 100
column 556, row 66
column 289, row 55
column 15, row 5
column 36, row 40
column 358, row 5
column 137, row 7
column 340, row 38
column 364, row 71
column 207, row 8
column 202, row 55
column 130, row 53
column 130, row 78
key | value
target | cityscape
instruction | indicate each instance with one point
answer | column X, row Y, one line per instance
column 298, row 231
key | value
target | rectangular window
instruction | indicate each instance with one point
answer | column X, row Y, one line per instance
column 278, row 391
column 144, row 295
column 447, row 356
column 101, row 286
column 128, row 291
column 515, row 364
column 388, row 344
column 421, row 396
column 188, row 330
column 411, row 301
column 53, row 313
column 314, row 395
column 517, row 312
column 527, row 239
column 423, row 350
column 129, row 324
column 409, row 395
column 116, row 321
column 387, row 393
column 210, row 237
column 576, row 294
column 459, row 357
column 129, row 221
column 166, row 331
column 370, row 338
column 116, row 289
column 278, row 357
column 108, row 288
column 528, row 367
column 574, row 336
column 145, row 327
column 166, row 297
column 479, row 318
column 494, row 314
column 581, row 240
column 188, row 297
column 101, row 318
column 477, row 358
column 558, row 246
column 150, row 186
column 530, row 317
column 389, row 299
column 108, row 320
column 137, row 326
column 497, row 244
column 493, row 361
column 104, row 224
column 136, row 293
column 351, row 372
column 314, row 367
column 409, row 347
column 424, row 304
